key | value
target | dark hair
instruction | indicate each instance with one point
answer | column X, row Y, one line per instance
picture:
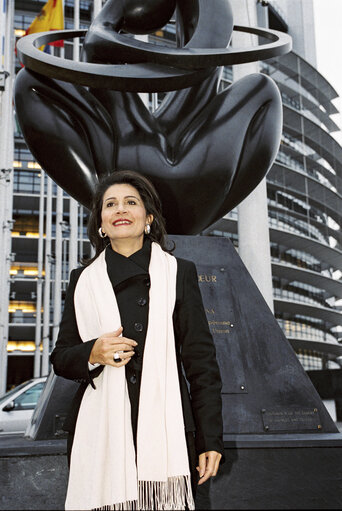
column 149, row 197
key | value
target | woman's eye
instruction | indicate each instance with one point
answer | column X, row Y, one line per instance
column 109, row 204
column 131, row 202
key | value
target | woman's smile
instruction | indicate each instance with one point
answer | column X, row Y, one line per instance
column 121, row 221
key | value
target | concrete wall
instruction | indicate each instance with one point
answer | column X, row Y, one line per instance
column 300, row 19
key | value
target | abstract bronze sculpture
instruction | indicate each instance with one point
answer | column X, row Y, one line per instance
column 204, row 150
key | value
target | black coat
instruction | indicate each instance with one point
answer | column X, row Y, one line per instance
column 194, row 345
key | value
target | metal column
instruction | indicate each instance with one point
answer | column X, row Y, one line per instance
column 39, row 288
column 47, row 281
column 97, row 7
column 58, row 265
column 6, row 181
column 253, row 230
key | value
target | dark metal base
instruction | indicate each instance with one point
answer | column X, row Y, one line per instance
column 33, row 474
column 280, row 472
column 278, row 478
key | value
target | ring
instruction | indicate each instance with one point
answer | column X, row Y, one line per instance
column 116, row 357
column 150, row 67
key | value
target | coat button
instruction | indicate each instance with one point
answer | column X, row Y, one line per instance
column 133, row 379
column 147, row 282
column 138, row 327
column 141, row 302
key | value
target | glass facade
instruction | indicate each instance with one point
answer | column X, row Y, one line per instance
column 304, row 190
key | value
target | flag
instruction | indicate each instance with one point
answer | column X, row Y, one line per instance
column 51, row 17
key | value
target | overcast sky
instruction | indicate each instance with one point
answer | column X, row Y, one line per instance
column 328, row 24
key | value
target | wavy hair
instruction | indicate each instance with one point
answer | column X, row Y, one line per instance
column 151, row 202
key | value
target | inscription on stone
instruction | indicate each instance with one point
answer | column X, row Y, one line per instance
column 220, row 327
column 218, row 303
column 203, row 277
column 297, row 419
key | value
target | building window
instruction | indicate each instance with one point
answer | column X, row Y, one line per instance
column 310, row 360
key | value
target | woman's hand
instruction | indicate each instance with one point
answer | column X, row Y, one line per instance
column 107, row 344
column 208, row 464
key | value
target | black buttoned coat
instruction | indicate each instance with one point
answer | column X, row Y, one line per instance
column 195, row 350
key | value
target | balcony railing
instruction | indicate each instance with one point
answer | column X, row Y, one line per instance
column 290, row 224
column 292, row 103
column 294, row 164
column 305, row 332
column 298, row 297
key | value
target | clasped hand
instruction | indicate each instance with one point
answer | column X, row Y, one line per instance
column 108, row 344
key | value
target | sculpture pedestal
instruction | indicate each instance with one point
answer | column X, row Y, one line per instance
column 283, row 450
column 282, row 472
column 33, row 474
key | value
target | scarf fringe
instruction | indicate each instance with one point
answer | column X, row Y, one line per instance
column 121, row 506
column 173, row 494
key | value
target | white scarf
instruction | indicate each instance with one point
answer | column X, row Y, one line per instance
column 104, row 472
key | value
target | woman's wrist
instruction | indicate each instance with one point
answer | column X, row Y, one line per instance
column 92, row 356
column 92, row 359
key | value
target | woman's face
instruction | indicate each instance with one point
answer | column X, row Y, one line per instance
column 123, row 214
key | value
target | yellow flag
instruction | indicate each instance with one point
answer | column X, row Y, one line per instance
column 51, row 17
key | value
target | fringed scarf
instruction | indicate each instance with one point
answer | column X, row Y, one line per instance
column 105, row 471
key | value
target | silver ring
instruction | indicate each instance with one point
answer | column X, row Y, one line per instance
column 116, row 357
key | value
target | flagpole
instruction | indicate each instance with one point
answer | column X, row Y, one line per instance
column 81, row 232
column 39, row 288
column 47, row 280
column 58, row 265
column 73, row 205
column 2, row 33
column 3, row 133
column 3, row 138
column 57, row 311
column 6, row 183
column 97, row 9
column 76, row 45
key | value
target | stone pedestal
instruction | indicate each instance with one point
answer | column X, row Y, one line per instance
column 283, row 451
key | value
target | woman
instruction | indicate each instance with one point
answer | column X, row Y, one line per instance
column 133, row 317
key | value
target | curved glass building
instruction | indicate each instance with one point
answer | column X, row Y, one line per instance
column 304, row 191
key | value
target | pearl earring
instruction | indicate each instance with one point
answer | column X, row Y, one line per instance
column 147, row 229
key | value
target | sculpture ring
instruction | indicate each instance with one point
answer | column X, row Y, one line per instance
column 168, row 68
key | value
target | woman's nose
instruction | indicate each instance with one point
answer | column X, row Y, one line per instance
column 121, row 208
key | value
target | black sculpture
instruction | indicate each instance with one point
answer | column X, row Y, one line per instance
column 204, row 150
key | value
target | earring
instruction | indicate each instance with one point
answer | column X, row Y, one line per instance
column 101, row 233
column 147, row 229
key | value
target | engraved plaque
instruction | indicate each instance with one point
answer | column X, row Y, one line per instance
column 296, row 419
